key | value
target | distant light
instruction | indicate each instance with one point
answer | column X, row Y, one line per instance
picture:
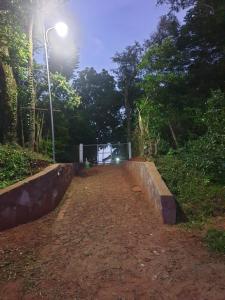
column 117, row 160
column 62, row 29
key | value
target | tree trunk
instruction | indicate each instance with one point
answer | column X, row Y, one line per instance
column 141, row 138
column 31, row 89
column 128, row 113
column 8, row 99
column 39, row 129
column 173, row 134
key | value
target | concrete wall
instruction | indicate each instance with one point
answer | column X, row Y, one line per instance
column 147, row 176
column 35, row 196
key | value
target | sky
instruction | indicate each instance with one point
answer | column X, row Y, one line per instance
column 103, row 27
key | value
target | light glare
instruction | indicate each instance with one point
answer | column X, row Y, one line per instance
column 62, row 29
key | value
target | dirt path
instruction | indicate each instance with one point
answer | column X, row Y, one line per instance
column 105, row 242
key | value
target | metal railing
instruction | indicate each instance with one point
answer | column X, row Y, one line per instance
column 101, row 154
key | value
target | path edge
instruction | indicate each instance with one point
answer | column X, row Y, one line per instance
column 146, row 175
column 35, row 196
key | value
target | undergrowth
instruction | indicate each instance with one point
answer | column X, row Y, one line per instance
column 198, row 196
column 17, row 163
column 215, row 240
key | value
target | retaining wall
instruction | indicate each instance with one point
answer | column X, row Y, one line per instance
column 35, row 196
column 148, row 178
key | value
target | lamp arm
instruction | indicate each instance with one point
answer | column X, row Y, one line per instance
column 46, row 33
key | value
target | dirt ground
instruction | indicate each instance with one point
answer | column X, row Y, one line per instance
column 104, row 241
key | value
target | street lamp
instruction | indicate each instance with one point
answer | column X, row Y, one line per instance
column 62, row 30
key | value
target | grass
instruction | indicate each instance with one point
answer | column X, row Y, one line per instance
column 215, row 240
column 198, row 197
column 17, row 163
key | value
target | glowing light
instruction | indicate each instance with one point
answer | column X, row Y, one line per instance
column 117, row 160
column 62, row 29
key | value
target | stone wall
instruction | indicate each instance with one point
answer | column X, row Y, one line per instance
column 35, row 196
column 147, row 176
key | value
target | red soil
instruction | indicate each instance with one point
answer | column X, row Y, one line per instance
column 138, row 158
column 105, row 242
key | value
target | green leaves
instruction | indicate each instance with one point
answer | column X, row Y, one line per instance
column 198, row 197
column 215, row 240
column 176, row 5
column 63, row 92
column 100, row 105
column 16, row 164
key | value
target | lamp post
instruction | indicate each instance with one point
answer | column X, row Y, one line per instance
column 97, row 150
column 62, row 30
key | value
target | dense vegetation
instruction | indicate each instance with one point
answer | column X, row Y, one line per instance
column 17, row 163
column 181, row 112
column 166, row 95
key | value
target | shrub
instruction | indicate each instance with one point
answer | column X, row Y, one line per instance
column 206, row 153
column 198, row 197
column 17, row 163
column 215, row 240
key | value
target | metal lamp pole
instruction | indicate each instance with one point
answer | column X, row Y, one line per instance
column 97, row 150
column 61, row 28
column 49, row 91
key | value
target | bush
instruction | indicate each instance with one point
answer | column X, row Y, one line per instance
column 215, row 240
column 17, row 163
column 198, row 197
column 207, row 155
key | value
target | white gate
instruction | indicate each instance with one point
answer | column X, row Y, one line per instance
column 105, row 153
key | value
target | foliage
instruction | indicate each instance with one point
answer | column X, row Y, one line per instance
column 99, row 111
column 150, row 120
column 196, row 173
column 17, row 163
column 12, row 35
column 215, row 240
column 164, row 82
column 207, row 152
column 197, row 196
column 176, row 5
column 127, row 77
column 183, row 106
column 13, row 58
column 65, row 102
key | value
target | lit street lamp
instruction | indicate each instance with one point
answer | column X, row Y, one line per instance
column 62, row 30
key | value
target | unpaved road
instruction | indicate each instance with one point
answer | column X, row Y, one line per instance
column 105, row 242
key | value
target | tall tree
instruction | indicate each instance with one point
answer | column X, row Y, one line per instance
column 176, row 5
column 100, row 104
column 201, row 41
column 126, row 72
column 32, row 9
column 65, row 103
column 168, row 27
column 31, row 88
column 8, row 99
column 9, row 39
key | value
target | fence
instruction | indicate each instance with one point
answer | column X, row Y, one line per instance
column 105, row 153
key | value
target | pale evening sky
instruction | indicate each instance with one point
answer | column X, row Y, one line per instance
column 103, row 27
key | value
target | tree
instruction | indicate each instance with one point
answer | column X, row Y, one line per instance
column 31, row 7
column 9, row 98
column 13, row 57
column 176, row 5
column 168, row 27
column 31, row 88
column 201, row 41
column 100, row 104
column 164, row 83
column 65, row 103
column 126, row 72
column 179, row 67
